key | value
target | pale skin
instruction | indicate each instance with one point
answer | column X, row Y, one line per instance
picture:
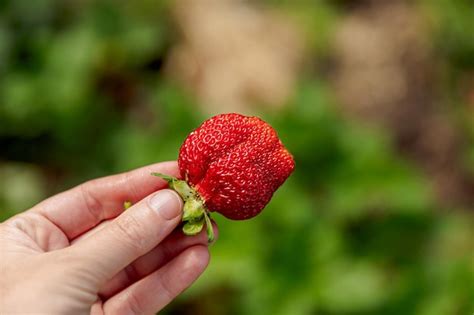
column 79, row 252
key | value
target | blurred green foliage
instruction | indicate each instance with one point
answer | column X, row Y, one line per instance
column 355, row 230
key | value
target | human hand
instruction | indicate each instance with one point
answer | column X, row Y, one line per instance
column 80, row 252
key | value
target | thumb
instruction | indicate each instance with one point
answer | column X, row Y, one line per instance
column 131, row 235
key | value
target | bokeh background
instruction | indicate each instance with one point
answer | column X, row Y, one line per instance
column 375, row 99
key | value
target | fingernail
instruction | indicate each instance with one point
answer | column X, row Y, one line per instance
column 167, row 203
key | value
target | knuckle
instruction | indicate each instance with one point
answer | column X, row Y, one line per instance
column 129, row 303
column 131, row 232
column 169, row 293
column 91, row 202
column 132, row 188
column 168, row 290
column 134, row 305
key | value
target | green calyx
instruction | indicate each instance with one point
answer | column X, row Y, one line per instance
column 195, row 213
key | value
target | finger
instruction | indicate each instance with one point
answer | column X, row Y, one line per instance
column 155, row 259
column 97, row 308
column 79, row 209
column 92, row 231
column 154, row 292
column 131, row 235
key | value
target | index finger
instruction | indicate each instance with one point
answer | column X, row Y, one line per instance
column 79, row 209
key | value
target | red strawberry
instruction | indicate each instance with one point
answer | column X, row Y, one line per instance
column 232, row 164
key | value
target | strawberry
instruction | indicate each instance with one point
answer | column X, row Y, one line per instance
column 231, row 164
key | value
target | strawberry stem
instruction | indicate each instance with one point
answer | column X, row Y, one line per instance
column 193, row 210
column 180, row 186
column 195, row 214
column 193, row 227
column 209, row 229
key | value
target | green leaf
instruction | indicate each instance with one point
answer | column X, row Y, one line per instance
column 193, row 227
column 193, row 210
column 209, row 230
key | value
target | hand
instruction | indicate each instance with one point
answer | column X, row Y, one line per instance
column 80, row 252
